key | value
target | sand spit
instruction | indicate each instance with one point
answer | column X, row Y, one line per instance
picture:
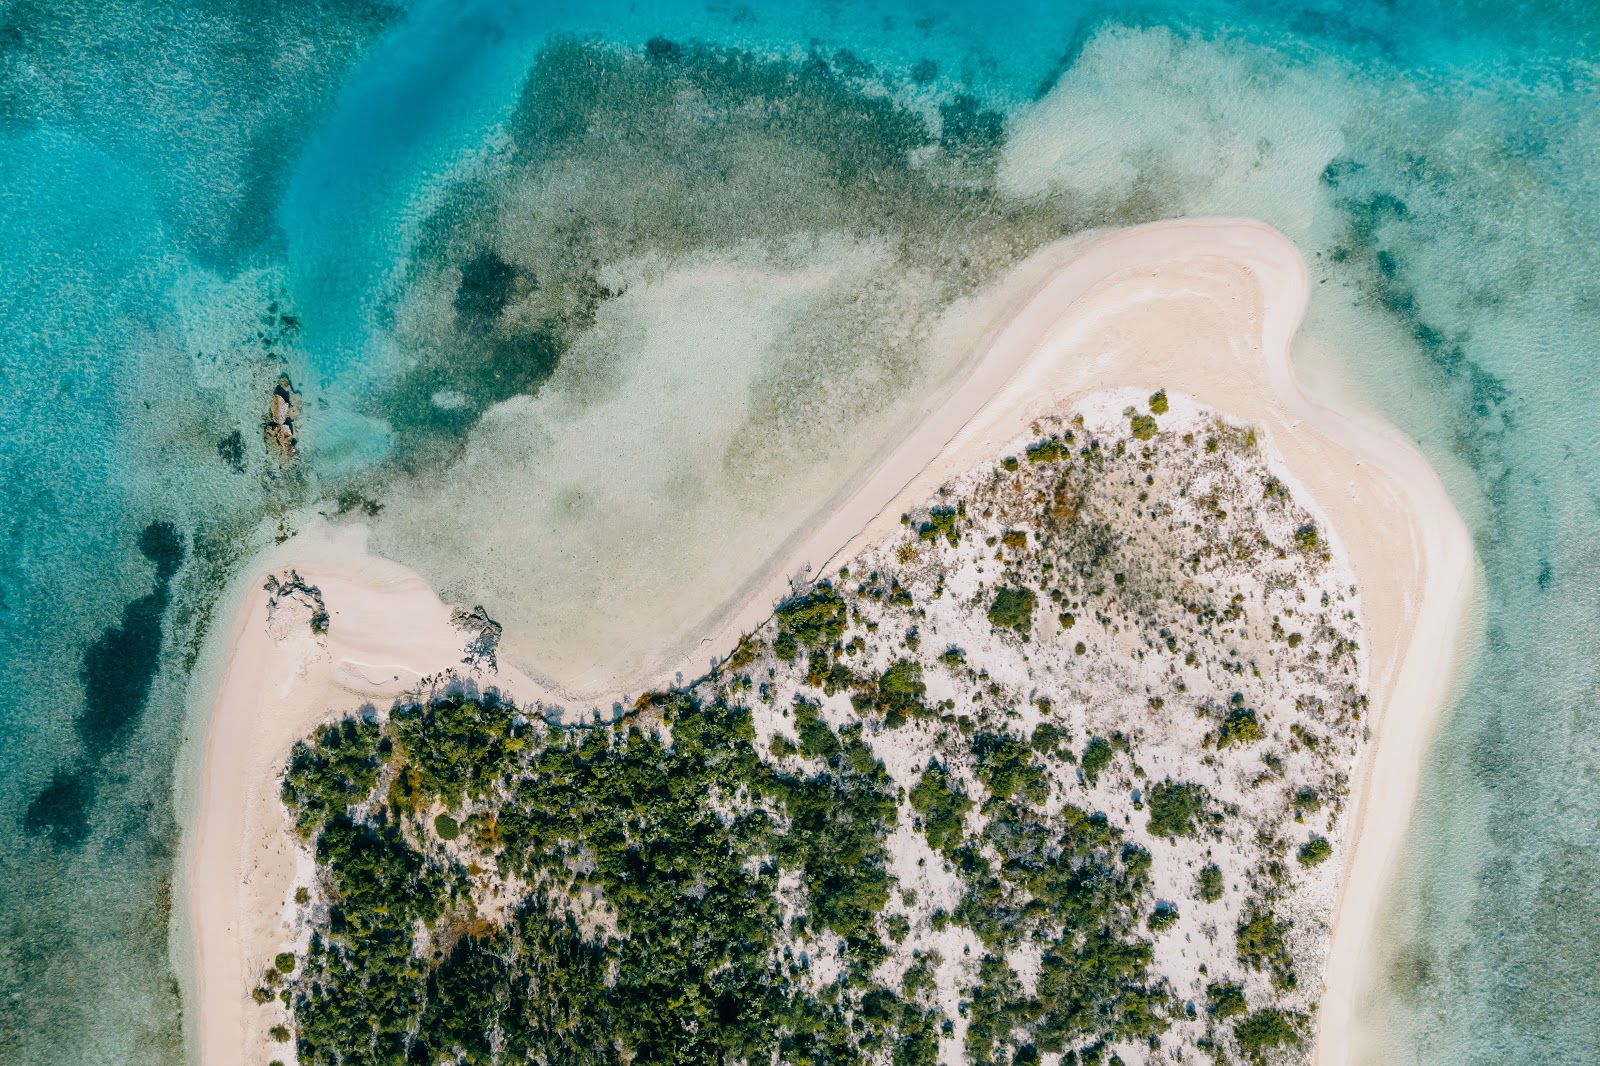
column 1203, row 308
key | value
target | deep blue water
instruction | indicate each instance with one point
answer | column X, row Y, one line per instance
column 194, row 198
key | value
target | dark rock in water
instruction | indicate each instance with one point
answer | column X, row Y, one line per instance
column 486, row 641
column 663, row 50
column 230, row 450
column 487, row 282
column 61, row 811
column 119, row 667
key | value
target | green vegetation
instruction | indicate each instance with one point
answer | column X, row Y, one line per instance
column 817, row 741
column 942, row 807
column 1096, row 757
column 1006, row 767
column 1177, row 810
column 1013, row 609
column 1240, row 726
column 941, row 522
column 1210, row 883
column 699, row 971
column 813, row 621
column 1225, row 1000
column 1158, row 402
column 1163, row 917
column 1261, row 945
column 1314, row 851
column 896, row 694
column 1265, row 1032
column 1143, row 426
column 284, row 962
column 1046, row 451
column 1307, row 539
column 336, row 769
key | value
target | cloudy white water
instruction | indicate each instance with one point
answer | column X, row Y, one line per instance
column 586, row 321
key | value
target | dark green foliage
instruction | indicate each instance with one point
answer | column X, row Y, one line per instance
column 1177, row 809
column 691, row 977
column 284, row 962
column 447, row 827
column 817, row 741
column 1240, row 727
column 1046, row 451
column 1096, row 757
column 456, row 747
column 1007, row 767
column 1224, row 1000
column 336, row 769
column 1048, row 739
column 941, row 522
column 1261, row 945
column 1013, row 609
column 1307, row 539
column 1142, row 426
column 942, row 806
column 814, row 620
column 1163, row 917
column 1210, row 886
column 1314, row 851
column 1265, row 1032
column 896, row 694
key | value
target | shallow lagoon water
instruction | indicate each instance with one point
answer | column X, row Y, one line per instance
column 201, row 200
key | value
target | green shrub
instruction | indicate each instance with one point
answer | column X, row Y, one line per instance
column 943, row 807
column 1163, row 917
column 1307, row 539
column 953, row 657
column 1224, row 999
column 1013, row 609
column 1261, row 946
column 1176, row 809
column 814, row 620
column 284, row 962
column 1266, row 1031
column 457, row 746
column 1014, row 538
column 1240, row 727
column 1314, row 851
column 336, row 768
column 1006, row 766
column 1158, row 403
column 447, row 827
column 1143, row 426
column 279, row 1033
column 816, row 739
column 1210, row 883
column 941, row 522
column 1046, row 451
column 1096, row 757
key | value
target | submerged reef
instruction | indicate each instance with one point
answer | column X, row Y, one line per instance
column 1056, row 774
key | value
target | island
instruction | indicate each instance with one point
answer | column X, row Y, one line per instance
column 1066, row 746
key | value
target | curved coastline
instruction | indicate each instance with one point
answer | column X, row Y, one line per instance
column 1208, row 308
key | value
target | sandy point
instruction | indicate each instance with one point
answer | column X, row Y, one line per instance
column 1208, row 308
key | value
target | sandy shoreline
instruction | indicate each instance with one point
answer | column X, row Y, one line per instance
column 1203, row 308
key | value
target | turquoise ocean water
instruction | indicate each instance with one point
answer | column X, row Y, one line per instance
column 469, row 230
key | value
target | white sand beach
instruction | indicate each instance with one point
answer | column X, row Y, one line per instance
column 1206, row 308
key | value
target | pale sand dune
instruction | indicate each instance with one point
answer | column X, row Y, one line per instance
column 1206, row 308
